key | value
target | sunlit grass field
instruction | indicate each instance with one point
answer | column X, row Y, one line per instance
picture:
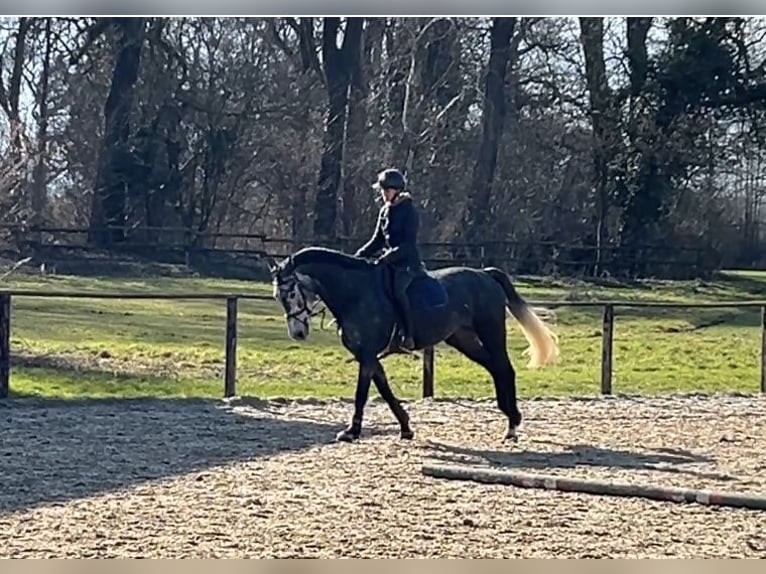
column 174, row 348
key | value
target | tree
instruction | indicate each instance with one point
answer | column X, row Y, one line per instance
column 40, row 172
column 493, row 121
column 339, row 66
column 605, row 125
column 113, row 178
column 14, row 167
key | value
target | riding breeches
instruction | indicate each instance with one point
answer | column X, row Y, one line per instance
column 402, row 279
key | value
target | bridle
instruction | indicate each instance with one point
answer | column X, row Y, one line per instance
column 303, row 312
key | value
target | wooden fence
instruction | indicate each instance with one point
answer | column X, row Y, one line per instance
column 182, row 245
column 230, row 337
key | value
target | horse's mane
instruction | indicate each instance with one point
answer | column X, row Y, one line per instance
column 326, row 256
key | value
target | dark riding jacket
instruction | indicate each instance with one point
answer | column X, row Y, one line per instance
column 396, row 230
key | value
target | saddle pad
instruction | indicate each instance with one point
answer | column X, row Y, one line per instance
column 427, row 293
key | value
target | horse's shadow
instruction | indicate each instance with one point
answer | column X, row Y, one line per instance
column 569, row 456
column 53, row 451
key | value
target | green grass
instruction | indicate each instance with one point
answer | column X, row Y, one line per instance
column 132, row 348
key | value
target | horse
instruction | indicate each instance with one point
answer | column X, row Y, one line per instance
column 461, row 306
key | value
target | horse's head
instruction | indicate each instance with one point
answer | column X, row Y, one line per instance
column 296, row 293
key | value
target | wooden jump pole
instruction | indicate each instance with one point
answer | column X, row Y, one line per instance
column 598, row 487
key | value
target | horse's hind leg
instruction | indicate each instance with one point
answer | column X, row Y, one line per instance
column 493, row 338
column 472, row 346
column 381, row 383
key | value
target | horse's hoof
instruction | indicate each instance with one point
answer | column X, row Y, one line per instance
column 407, row 434
column 512, row 435
column 346, row 435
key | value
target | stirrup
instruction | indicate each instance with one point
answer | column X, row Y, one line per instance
column 395, row 347
column 399, row 351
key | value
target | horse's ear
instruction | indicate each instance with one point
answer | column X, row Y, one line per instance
column 272, row 264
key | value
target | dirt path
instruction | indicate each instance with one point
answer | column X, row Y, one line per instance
column 256, row 479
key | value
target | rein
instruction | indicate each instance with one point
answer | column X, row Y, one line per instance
column 321, row 312
column 311, row 311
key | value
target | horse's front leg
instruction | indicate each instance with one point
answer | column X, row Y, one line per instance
column 354, row 430
column 381, row 382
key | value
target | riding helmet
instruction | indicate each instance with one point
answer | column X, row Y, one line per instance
column 390, row 178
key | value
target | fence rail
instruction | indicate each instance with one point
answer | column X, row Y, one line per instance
column 230, row 338
column 184, row 245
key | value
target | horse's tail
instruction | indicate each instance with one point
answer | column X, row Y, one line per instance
column 543, row 343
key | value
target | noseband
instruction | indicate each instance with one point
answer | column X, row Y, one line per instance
column 303, row 307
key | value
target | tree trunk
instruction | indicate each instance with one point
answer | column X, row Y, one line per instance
column 113, row 176
column 14, row 92
column 493, row 122
column 161, row 160
column 339, row 64
column 309, row 64
column 641, row 207
column 356, row 182
column 40, row 173
column 637, row 30
column 603, row 122
column 9, row 99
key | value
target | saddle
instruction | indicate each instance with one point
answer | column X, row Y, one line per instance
column 425, row 293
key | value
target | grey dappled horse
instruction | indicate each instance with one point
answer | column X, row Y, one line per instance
column 462, row 306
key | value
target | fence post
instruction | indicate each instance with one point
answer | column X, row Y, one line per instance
column 606, row 350
column 428, row 372
column 5, row 344
column 230, row 375
column 763, row 349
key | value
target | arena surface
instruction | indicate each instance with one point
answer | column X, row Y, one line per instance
column 186, row 478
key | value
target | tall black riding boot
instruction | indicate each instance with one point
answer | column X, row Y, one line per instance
column 407, row 341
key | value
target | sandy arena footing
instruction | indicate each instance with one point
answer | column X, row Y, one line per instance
column 248, row 478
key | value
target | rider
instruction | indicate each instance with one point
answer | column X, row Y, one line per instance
column 397, row 230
